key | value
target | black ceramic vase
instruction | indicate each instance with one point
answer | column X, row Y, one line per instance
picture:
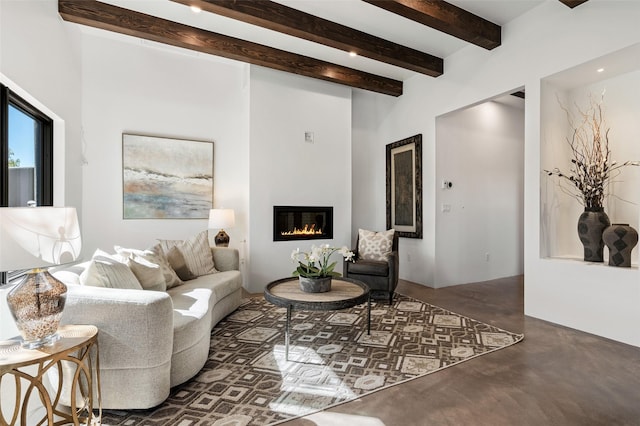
column 620, row 238
column 591, row 225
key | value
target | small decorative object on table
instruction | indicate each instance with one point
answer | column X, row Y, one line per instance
column 589, row 175
column 220, row 219
column 620, row 238
column 35, row 238
column 314, row 269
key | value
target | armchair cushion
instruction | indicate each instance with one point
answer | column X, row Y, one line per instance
column 369, row 267
column 375, row 245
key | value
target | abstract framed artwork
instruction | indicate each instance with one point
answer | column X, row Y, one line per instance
column 166, row 178
column 404, row 186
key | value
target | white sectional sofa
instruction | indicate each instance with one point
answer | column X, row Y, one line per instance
column 149, row 340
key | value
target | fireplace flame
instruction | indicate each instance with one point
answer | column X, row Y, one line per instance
column 307, row 230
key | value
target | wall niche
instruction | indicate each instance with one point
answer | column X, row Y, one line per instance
column 614, row 79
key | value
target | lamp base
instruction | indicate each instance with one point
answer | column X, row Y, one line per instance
column 36, row 304
column 38, row 343
column 221, row 239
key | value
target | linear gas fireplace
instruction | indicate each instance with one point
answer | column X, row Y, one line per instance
column 302, row 223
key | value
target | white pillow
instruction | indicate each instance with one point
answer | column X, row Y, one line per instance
column 145, row 265
column 375, row 245
column 108, row 271
column 196, row 252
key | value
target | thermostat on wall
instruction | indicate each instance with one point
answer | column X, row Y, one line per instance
column 308, row 137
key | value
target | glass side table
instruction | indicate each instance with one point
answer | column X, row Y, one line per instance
column 74, row 357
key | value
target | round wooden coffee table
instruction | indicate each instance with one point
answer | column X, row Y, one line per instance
column 345, row 293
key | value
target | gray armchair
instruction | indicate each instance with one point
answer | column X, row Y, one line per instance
column 380, row 276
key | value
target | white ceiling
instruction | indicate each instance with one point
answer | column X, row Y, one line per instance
column 352, row 13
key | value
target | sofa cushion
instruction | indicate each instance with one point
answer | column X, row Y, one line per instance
column 221, row 284
column 108, row 271
column 69, row 273
column 191, row 307
column 145, row 266
column 375, row 245
column 179, row 264
column 171, row 279
column 196, row 252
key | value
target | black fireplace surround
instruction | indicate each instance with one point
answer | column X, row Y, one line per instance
column 293, row 223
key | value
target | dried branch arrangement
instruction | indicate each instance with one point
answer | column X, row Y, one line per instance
column 591, row 167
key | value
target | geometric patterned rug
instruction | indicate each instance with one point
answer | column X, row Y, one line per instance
column 332, row 360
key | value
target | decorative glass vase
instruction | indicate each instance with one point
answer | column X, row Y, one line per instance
column 36, row 304
column 620, row 238
column 591, row 224
column 315, row 285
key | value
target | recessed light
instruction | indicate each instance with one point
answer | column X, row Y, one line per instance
column 196, row 9
column 600, row 69
column 353, row 54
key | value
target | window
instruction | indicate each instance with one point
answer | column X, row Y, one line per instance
column 26, row 155
column 26, row 148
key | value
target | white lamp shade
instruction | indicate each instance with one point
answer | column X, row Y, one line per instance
column 32, row 237
column 221, row 218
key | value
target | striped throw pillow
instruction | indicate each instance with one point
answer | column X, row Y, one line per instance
column 196, row 252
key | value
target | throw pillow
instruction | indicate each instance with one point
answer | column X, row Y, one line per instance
column 178, row 263
column 196, row 252
column 108, row 271
column 145, row 265
column 375, row 245
column 170, row 277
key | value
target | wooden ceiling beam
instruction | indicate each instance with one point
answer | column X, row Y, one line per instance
column 447, row 18
column 284, row 19
column 136, row 24
column 573, row 3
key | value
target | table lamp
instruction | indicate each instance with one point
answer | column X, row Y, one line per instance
column 34, row 238
column 220, row 219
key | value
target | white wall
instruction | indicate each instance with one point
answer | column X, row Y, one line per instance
column 480, row 150
column 39, row 60
column 130, row 86
column 548, row 39
column 286, row 170
column 379, row 120
column 43, row 67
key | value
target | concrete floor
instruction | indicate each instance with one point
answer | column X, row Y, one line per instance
column 556, row 376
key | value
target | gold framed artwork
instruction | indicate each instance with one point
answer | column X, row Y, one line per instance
column 404, row 186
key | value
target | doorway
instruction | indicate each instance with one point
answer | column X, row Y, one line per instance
column 480, row 191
